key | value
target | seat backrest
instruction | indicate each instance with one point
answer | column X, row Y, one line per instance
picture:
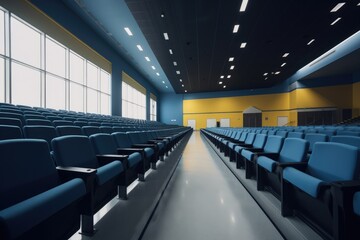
column 54, row 118
column 90, row 130
column 243, row 136
column 34, row 116
column 10, row 132
column 313, row 138
column 57, row 123
column 295, row 135
column 250, row 138
column 42, row 122
column 332, row 161
column 328, row 132
column 122, row 139
column 294, row 150
column 74, row 151
column 26, row 170
column 106, row 129
column 46, row 133
column 103, row 143
column 347, row 133
column 281, row 134
column 80, row 123
column 271, row 132
column 273, row 144
column 260, row 141
column 13, row 115
column 68, row 130
column 350, row 140
column 10, row 121
column 118, row 129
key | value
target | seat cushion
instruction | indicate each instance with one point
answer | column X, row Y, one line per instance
column 248, row 155
column 23, row 216
column 303, row 181
column 134, row 159
column 266, row 163
column 149, row 152
column 108, row 171
column 356, row 203
column 238, row 149
column 232, row 145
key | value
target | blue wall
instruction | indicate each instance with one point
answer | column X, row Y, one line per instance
column 171, row 108
column 58, row 11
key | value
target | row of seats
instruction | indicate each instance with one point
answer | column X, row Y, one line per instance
column 314, row 176
column 51, row 177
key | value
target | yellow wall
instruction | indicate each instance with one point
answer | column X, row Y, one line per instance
column 272, row 105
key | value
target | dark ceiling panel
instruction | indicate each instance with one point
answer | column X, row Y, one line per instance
column 202, row 40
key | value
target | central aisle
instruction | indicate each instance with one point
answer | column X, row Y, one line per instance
column 205, row 201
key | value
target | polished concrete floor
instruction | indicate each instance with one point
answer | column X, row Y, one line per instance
column 205, row 201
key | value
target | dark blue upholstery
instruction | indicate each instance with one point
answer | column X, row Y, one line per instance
column 349, row 140
column 281, row 134
column 10, row 132
column 46, row 133
column 313, row 138
column 90, row 130
column 356, row 203
column 57, row 123
column 10, row 121
column 347, row 133
column 68, row 130
column 42, row 122
column 295, row 135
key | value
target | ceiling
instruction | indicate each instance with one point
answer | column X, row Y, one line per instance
column 201, row 39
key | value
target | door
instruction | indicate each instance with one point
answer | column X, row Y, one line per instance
column 282, row 121
column 225, row 122
column 210, row 122
column 252, row 119
column 192, row 123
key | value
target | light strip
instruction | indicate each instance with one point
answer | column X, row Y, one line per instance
column 185, row 90
column 166, row 36
column 140, row 48
column 127, row 30
column 358, row 4
column 220, row 83
column 282, row 65
column 182, row 85
column 153, row 67
column 178, row 72
column 285, row 55
column 277, row 73
column 231, row 59
column 147, row 59
column 236, row 28
column 228, row 76
column 163, row 82
column 224, row 86
column 337, row 7
column 170, row 51
column 158, row 74
column 243, row 5
column 311, row 41
column 175, row 63
column 243, row 45
column 338, row 19
column 265, row 74
column 221, row 76
column 232, row 67
column 180, row 80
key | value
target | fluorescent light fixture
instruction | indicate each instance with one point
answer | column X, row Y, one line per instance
column 180, row 80
column 337, row 7
column 265, row 74
column 220, row 83
column 153, row 67
column 232, row 67
column 285, row 55
column 224, row 86
column 236, row 28
column 185, row 90
column 221, row 76
column 182, row 85
column 228, row 76
column 333, row 23
column 243, row 45
column 311, row 41
column 158, row 74
column 175, row 63
column 128, row 31
column 358, row 4
column 231, row 59
column 243, row 5
column 178, row 72
column 166, row 36
column 277, row 73
column 170, row 51
column 163, row 82
column 282, row 65
column 266, row 78
column 140, row 48
column 147, row 59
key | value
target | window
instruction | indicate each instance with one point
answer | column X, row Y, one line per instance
column 133, row 98
column 45, row 72
column 153, row 108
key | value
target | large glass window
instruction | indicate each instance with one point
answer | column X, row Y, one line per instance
column 55, row 92
column 25, row 43
column 133, row 102
column 92, row 101
column 76, row 97
column 25, row 85
column 2, row 80
column 76, row 68
column 55, row 58
column 2, row 32
column 153, row 108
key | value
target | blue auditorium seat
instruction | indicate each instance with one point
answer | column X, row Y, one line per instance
column 68, row 130
column 313, row 138
column 350, row 140
column 41, row 122
column 90, row 130
column 306, row 187
column 58, row 123
column 106, row 129
column 269, row 168
column 258, row 144
column 295, row 135
column 110, row 181
column 36, row 203
column 10, row 132
column 13, row 115
column 10, row 121
column 281, row 133
column 46, row 133
column 347, row 133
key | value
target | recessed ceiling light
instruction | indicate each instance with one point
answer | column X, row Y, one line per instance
column 128, row 31
column 182, row 85
column 163, row 82
column 221, row 76
column 266, row 78
column 140, row 48
column 337, row 7
column 166, row 36
column 178, row 72
column 232, row 67
column 333, row 23
column 170, row 51
column 277, row 73
column 228, row 76
column 311, row 41
column 162, row 15
column 243, row 5
column 224, row 86
column 285, row 55
column 265, row 74
column 153, row 67
column 236, row 28
column 180, row 80
column 185, row 90
column 166, row 86
column 231, row 59
column 158, row 74
column 243, row 45
column 147, row 59
column 283, row 64
column 358, row 4
column 175, row 63
column 220, row 83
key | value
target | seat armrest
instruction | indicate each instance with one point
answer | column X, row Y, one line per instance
column 88, row 175
column 267, row 154
column 255, row 150
column 144, row 145
column 343, row 193
column 298, row 165
column 128, row 151
column 108, row 158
